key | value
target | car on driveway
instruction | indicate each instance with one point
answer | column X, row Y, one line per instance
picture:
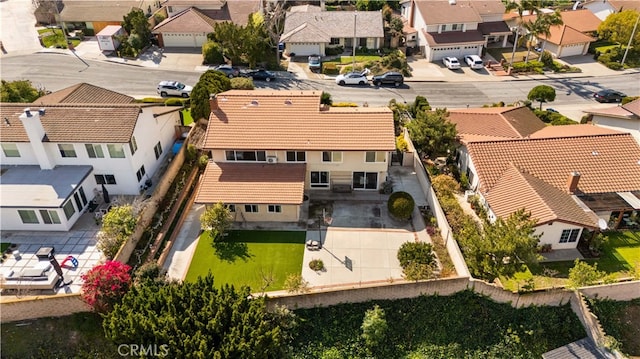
column 228, row 70
column 352, row 78
column 315, row 63
column 474, row 62
column 174, row 88
column 609, row 95
column 451, row 63
column 391, row 77
column 262, row 75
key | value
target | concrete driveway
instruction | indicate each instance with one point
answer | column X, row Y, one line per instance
column 18, row 33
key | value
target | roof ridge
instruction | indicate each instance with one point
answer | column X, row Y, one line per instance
column 558, row 137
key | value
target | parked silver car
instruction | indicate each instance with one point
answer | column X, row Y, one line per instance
column 174, row 88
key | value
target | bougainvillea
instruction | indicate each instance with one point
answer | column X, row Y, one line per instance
column 105, row 284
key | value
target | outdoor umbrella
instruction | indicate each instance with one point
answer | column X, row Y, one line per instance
column 105, row 194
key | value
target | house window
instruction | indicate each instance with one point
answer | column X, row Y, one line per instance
column 116, row 151
column 231, row 207
column 365, row 180
column 454, row 27
column 105, row 179
column 28, row 216
column 251, row 208
column 569, row 235
column 10, row 150
column 141, row 172
column 375, row 156
column 296, row 156
column 443, row 28
column 94, row 151
column 275, row 208
column 68, row 209
column 331, row 156
column 335, row 41
column 50, row 217
column 319, row 179
column 157, row 149
column 78, row 203
column 246, row 156
column 133, row 145
column 67, row 150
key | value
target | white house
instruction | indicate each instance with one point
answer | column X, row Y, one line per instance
column 625, row 118
column 56, row 156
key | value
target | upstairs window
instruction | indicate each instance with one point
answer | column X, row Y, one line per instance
column 116, row 151
column 296, row 156
column 157, row 149
column 10, row 150
column 250, row 156
column 94, row 151
column 67, row 150
column 133, row 145
column 375, row 156
column 331, row 156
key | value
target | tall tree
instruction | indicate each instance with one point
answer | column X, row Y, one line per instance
column 522, row 6
column 254, row 40
column 617, row 27
column 211, row 82
column 217, row 219
column 227, row 34
column 198, row 320
column 432, row 133
column 540, row 26
column 542, row 93
column 20, row 91
column 274, row 24
column 136, row 25
column 374, row 328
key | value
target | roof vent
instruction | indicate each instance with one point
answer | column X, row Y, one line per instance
column 254, row 103
column 288, row 102
column 594, row 153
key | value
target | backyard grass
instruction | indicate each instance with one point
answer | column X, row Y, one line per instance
column 54, row 38
column 250, row 258
column 618, row 257
column 4, row 247
column 186, row 117
column 505, row 53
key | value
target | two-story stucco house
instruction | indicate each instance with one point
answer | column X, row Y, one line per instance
column 57, row 153
column 269, row 148
column 455, row 28
column 625, row 118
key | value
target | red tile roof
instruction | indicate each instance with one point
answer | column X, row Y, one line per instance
column 582, row 20
column 573, row 131
column 633, row 107
column 566, row 35
column 492, row 123
column 607, row 163
column 249, row 183
column 280, row 120
column 545, row 202
column 188, row 21
column 84, row 93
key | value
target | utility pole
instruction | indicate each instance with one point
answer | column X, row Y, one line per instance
column 630, row 40
column 355, row 21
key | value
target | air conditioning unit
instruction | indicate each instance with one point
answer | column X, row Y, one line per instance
column 272, row 159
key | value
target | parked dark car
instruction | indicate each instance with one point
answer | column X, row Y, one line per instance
column 262, row 75
column 389, row 78
column 315, row 63
column 609, row 96
column 228, row 70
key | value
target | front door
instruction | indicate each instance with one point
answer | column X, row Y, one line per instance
column 365, row 180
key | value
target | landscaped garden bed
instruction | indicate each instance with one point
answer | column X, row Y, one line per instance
column 259, row 259
column 621, row 321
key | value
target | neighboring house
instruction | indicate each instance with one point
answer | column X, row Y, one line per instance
column 573, row 37
column 56, row 156
column 603, row 8
column 269, row 148
column 310, row 33
column 190, row 21
column 93, row 16
column 455, row 28
column 625, row 118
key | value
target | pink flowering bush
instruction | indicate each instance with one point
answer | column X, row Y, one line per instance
column 105, row 284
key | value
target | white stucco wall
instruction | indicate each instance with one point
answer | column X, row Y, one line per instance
column 631, row 126
column 551, row 234
column 290, row 213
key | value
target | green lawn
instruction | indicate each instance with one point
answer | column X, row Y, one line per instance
column 619, row 256
column 248, row 257
column 186, row 117
column 505, row 53
column 55, row 38
column 4, row 246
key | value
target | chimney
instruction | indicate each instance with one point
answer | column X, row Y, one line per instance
column 572, row 183
column 213, row 102
column 35, row 132
column 412, row 9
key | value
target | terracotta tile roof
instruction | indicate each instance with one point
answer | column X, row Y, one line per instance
column 442, row 12
column 278, row 120
column 210, row 3
column 249, row 183
column 84, row 93
column 607, row 163
column 545, row 202
column 494, row 123
column 566, row 35
column 633, row 107
column 622, row 5
column 190, row 20
column 582, row 20
column 453, row 37
column 83, row 123
column 106, row 10
column 330, row 24
column 576, row 130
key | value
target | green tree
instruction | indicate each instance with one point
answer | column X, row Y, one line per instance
column 445, row 185
column 432, row 133
column 211, row 82
column 295, row 283
column 137, row 26
column 420, row 104
column 617, row 27
column 227, row 34
column 255, row 41
column 117, row 225
column 540, row 26
column 522, row 6
column 374, row 328
column 20, row 91
column 217, row 219
column 199, row 320
column 502, row 248
column 212, row 53
column 325, row 99
column 417, row 260
column 542, row 93
column 582, row 274
column 370, row 5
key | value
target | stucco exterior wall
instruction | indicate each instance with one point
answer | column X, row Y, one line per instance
column 551, row 234
column 27, row 156
column 290, row 213
column 631, row 126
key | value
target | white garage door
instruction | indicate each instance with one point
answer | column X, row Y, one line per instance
column 305, row 49
column 439, row 53
column 572, row 50
column 183, row 39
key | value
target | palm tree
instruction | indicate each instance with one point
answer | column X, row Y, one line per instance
column 520, row 6
column 547, row 21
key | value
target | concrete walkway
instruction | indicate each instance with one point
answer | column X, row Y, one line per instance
column 179, row 258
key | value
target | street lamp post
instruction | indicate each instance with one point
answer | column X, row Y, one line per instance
column 355, row 21
column 630, row 39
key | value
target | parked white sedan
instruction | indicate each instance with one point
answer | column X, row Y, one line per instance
column 352, row 78
column 474, row 61
column 451, row 63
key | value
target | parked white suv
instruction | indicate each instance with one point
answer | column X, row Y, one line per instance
column 451, row 63
column 174, row 88
column 474, row 61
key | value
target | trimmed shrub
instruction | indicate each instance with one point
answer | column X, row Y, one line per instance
column 614, row 65
column 151, row 100
column 326, row 99
column 212, row 53
column 242, row 83
column 316, row 265
column 401, row 143
column 174, row 102
column 330, row 68
column 332, row 51
column 344, row 104
column 547, row 59
column 400, row 205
